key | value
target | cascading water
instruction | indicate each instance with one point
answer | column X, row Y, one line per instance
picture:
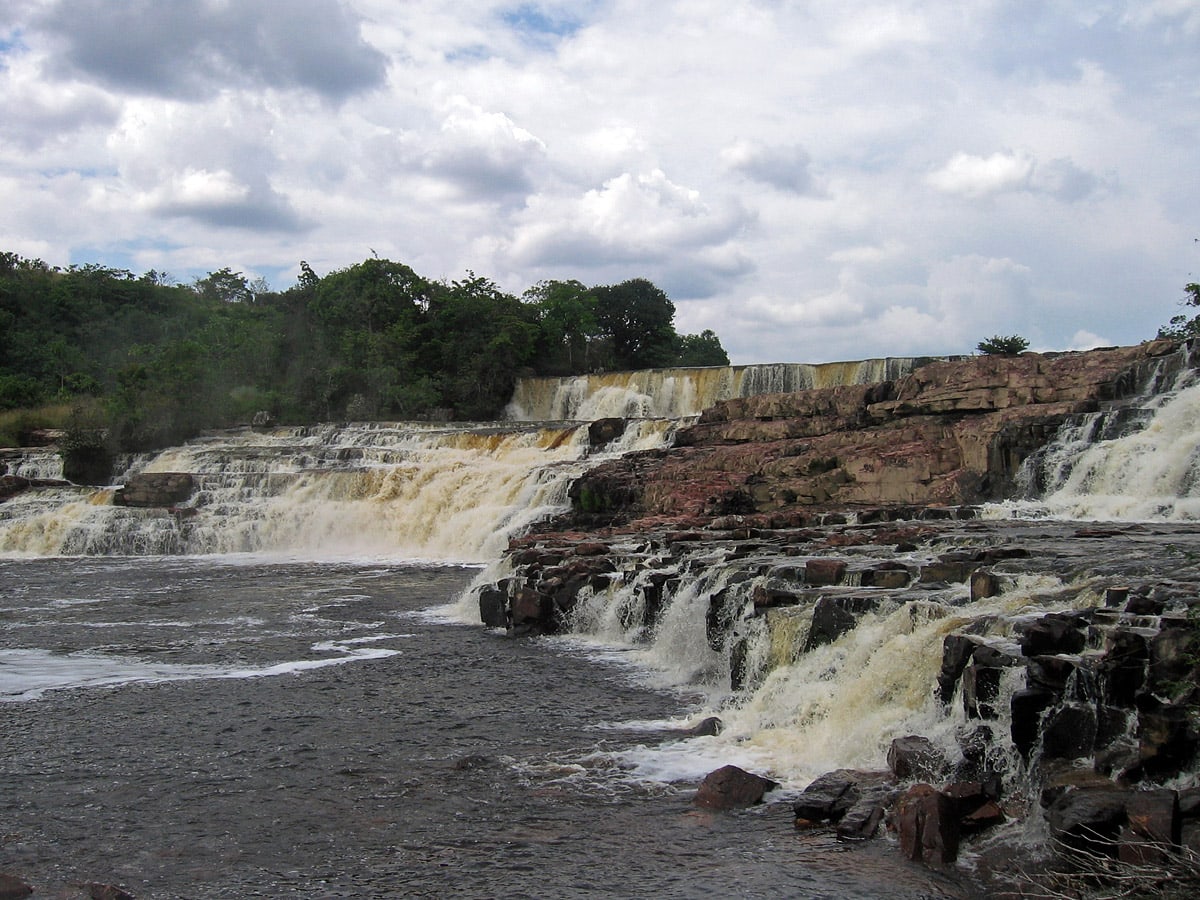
column 795, row 708
column 1138, row 460
column 408, row 491
column 677, row 393
column 34, row 463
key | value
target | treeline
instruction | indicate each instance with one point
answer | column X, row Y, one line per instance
column 152, row 363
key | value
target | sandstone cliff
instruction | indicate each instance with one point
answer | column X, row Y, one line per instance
column 949, row 433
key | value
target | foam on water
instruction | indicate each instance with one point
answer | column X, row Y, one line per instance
column 362, row 492
column 27, row 674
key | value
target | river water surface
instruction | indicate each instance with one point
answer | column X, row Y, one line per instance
column 212, row 728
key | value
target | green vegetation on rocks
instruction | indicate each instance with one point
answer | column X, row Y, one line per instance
column 157, row 362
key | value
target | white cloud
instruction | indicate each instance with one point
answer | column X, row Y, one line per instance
column 812, row 181
column 978, row 176
column 196, row 189
column 641, row 218
column 785, row 168
column 1086, row 340
column 975, row 176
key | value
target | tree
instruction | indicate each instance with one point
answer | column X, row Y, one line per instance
column 637, row 318
column 1181, row 326
column 225, row 285
column 566, row 315
column 703, row 349
column 998, row 345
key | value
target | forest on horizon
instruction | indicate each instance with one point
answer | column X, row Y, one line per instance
column 138, row 362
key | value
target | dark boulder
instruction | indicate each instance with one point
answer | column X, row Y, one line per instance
column 862, row 820
column 605, row 431
column 493, row 607
column 1088, row 818
column 1123, row 669
column 732, row 788
column 928, row 826
column 827, row 798
column 13, row 888
column 1069, row 731
column 1027, row 707
column 835, row 615
column 1168, row 742
column 915, row 758
column 956, row 654
column 708, row 727
column 1053, row 633
column 159, row 489
column 981, row 680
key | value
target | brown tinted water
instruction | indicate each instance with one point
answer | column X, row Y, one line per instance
column 192, row 728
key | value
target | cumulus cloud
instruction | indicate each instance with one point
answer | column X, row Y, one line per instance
column 194, row 48
column 37, row 113
column 527, row 139
column 483, row 154
column 221, row 200
column 1087, row 340
column 783, row 167
column 630, row 219
column 978, row 176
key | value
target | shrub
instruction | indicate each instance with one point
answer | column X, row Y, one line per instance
column 1003, row 345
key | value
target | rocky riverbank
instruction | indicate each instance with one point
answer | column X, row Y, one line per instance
column 797, row 517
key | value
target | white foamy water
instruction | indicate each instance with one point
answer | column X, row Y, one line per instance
column 682, row 392
column 28, row 674
column 1152, row 474
column 836, row 706
column 373, row 491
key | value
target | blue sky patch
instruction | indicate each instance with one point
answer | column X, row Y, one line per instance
column 539, row 26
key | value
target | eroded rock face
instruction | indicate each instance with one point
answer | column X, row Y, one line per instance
column 949, row 433
column 163, row 489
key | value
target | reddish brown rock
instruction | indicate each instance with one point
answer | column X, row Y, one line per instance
column 950, row 433
column 160, row 489
column 732, row 788
column 928, row 826
column 913, row 757
column 824, row 571
column 1153, row 827
column 13, row 888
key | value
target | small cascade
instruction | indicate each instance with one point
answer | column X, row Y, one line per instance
column 409, row 491
column 35, row 463
column 808, row 673
column 1136, row 460
column 681, row 392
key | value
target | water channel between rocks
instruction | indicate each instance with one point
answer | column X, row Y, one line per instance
column 196, row 728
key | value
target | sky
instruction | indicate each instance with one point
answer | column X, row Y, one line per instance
column 814, row 181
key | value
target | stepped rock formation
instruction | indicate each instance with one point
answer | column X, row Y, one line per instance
column 949, row 433
column 783, row 521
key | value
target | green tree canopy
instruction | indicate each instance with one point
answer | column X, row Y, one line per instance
column 1184, row 326
column 374, row 340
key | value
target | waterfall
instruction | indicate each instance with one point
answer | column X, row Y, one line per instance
column 32, row 462
column 1137, row 460
column 675, row 393
column 405, row 490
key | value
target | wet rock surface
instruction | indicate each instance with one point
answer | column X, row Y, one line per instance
column 155, row 489
column 1076, row 677
column 953, row 432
